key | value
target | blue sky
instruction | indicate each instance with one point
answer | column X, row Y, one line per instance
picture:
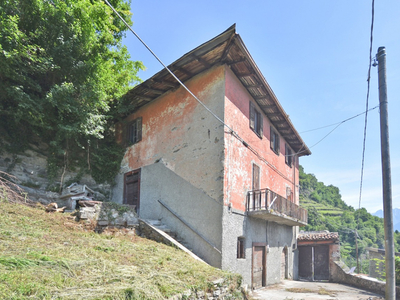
column 315, row 56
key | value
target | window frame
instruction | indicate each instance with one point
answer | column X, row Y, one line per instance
column 134, row 131
column 241, row 249
column 289, row 157
column 256, row 120
column 256, row 177
column 274, row 140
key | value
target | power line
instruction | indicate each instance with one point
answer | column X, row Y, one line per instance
column 348, row 119
column 366, row 114
column 234, row 133
column 337, row 125
column 165, row 67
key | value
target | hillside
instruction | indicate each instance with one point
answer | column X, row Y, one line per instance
column 49, row 256
column 327, row 211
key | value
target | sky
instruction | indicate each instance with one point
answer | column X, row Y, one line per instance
column 315, row 56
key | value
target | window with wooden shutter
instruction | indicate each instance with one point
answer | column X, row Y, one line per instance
column 135, row 131
column 240, row 248
column 274, row 140
column 256, row 121
column 288, row 155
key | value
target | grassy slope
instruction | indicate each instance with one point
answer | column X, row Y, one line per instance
column 50, row 256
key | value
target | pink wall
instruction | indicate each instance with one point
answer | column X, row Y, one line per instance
column 238, row 175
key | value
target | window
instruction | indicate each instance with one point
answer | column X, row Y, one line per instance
column 256, row 121
column 288, row 155
column 240, row 247
column 256, row 177
column 274, row 141
column 135, row 131
column 289, row 194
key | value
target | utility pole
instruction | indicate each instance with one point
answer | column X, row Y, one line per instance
column 390, row 292
column 358, row 265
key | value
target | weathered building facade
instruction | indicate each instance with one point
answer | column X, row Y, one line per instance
column 226, row 181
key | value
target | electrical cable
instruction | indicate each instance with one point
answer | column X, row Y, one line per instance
column 353, row 117
column 366, row 114
column 234, row 133
column 338, row 124
column 165, row 67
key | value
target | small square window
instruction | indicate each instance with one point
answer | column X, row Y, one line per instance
column 274, row 141
column 135, row 131
column 288, row 156
column 256, row 121
column 240, row 247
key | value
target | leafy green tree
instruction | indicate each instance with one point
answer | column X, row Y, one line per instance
column 63, row 70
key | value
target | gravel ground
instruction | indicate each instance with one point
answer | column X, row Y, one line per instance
column 302, row 290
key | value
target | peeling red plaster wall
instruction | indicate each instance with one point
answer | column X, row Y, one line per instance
column 238, row 175
column 178, row 130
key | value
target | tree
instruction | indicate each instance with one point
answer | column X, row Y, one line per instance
column 63, row 70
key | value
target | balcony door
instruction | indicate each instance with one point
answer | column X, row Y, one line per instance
column 256, row 177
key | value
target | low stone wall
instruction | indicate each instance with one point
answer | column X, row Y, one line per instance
column 340, row 275
column 110, row 215
column 220, row 290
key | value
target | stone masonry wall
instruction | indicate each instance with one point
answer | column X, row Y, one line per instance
column 341, row 275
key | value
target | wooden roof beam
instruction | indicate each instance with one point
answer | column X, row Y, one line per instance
column 228, row 48
column 267, row 106
column 244, row 74
column 155, row 91
column 168, row 83
column 202, row 61
column 278, row 122
column 243, row 59
column 147, row 99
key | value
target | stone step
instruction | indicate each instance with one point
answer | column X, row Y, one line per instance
column 155, row 223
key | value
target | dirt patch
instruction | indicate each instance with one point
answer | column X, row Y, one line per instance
column 300, row 290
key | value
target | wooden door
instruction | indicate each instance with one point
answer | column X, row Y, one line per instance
column 321, row 262
column 259, row 268
column 132, row 188
column 306, row 262
column 314, row 262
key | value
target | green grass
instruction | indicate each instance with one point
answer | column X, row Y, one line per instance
column 50, row 256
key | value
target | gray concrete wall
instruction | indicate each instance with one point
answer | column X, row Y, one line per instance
column 279, row 237
column 195, row 207
column 276, row 236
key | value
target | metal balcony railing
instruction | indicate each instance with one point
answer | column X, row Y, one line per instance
column 270, row 202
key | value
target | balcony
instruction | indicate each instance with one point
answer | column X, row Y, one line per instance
column 267, row 205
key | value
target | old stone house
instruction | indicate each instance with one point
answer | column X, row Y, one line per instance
column 229, row 190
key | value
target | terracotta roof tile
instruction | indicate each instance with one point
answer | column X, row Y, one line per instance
column 317, row 236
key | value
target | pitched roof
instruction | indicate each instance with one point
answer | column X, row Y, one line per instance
column 317, row 236
column 226, row 48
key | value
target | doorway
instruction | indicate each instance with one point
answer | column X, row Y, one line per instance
column 259, row 269
column 132, row 189
column 314, row 262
